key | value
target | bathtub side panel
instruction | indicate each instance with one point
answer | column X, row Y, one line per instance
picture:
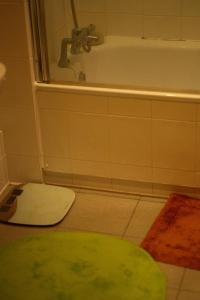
column 121, row 139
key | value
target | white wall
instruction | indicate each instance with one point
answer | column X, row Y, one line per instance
column 3, row 164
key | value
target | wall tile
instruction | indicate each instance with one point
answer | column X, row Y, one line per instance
column 191, row 28
column 125, row 17
column 178, row 139
column 174, row 111
column 55, row 133
column 58, row 179
column 129, row 186
column 153, row 198
column 91, row 6
column 18, row 126
column 54, row 14
column 130, row 107
column 174, row 177
column 54, row 49
column 174, row 145
column 164, row 27
column 74, row 102
column 91, row 168
column 130, row 141
column 88, row 103
column 124, row 24
column 88, row 137
column 167, row 189
column 100, row 183
column 129, row 6
column 12, row 17
column 160, row 7
column 24, row 168
column 191, row 8
column 67, row 12
column 131, row 172
column 52, row 100
column 58, row 164
column 93, row 18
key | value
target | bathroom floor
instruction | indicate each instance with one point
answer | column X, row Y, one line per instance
column 125, row 216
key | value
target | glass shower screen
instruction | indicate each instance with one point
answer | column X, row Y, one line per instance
column 64, row 39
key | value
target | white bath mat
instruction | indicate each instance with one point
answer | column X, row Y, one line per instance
column 40, row 204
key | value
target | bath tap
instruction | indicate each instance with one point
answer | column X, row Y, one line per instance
column 82, row 39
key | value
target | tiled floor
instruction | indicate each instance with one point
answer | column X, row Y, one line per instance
column 128, row 217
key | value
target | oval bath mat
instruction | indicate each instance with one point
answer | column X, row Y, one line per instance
column 78, row 266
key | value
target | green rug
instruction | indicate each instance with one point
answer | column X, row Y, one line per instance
column 78, row 266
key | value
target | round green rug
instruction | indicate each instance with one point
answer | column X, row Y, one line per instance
column 78, row 266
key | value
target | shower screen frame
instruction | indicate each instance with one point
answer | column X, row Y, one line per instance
column 39, row 40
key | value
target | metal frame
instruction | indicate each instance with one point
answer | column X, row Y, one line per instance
column 39, row 38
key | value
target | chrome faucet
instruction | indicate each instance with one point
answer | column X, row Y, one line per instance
column 82, row 39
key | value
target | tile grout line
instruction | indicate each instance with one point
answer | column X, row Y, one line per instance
column 180, row 284
column 131, row 217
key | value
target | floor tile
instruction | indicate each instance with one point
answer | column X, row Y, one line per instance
column 172, row 294
column 185, row 295
column 129, row 186
column 112, row 213
column 173, row 274
column 133, row 239
column 154, row 199
column 100, row 214
column 144, row 216
column 191, row 280
column 109, row 194
column 10, row 233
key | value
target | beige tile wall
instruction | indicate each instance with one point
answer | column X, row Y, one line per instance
column 17, row 117
column 121, row 138
column 171, row 19
column 57, row 23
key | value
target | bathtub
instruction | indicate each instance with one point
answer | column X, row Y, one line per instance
column 144, row 86
column 137, row 64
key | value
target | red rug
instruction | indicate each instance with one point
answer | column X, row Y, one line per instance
column 174, row 237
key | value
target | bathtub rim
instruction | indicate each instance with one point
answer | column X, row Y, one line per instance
column 114, row 92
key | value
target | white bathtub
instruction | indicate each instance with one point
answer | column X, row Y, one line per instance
column 138, row 64
column 146, row 86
